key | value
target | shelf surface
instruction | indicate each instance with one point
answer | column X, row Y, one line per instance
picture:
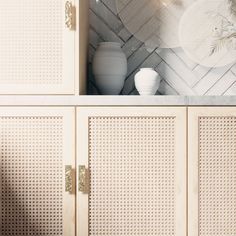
column 25, row 100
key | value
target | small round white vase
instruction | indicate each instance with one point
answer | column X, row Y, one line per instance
column 147, row 81
column 109, row 68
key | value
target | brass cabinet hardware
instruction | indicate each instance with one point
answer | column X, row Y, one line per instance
column 68, row 179
column 83, row 179
column 70, row 15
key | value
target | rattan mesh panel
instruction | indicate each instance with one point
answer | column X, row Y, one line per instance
column 31, row 42
column 132, row 166
column 217, row 176
column 31, row 174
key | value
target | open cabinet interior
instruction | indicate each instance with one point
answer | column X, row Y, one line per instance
column 188, row 43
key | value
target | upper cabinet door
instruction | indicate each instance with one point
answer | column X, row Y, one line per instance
column 212, row 171
column 37, row 164
column 136, row 161
column 37, row 47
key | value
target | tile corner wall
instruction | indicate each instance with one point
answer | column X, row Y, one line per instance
column 180, row 75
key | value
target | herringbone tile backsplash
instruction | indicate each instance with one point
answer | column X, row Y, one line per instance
column 180, row 75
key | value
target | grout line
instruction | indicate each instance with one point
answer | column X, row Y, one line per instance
column 129, row 74
column 223, row 94
column 108, row 26
column 176, row 73
column 115, row 14
column 205, row 93
column 231, row 85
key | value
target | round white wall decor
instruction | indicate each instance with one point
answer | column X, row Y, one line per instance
column 207, row 32
column 154, row 22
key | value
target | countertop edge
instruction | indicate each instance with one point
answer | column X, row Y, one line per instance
column 86, row 100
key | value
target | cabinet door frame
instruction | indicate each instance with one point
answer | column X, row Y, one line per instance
column 193, row 158
column 181, row 172
column 68, row 114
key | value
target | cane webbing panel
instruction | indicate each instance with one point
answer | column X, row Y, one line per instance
column 217, row 176
column 31, row 175
column 132, row 168
column 31, row 42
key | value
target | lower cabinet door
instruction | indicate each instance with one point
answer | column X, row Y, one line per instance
column 212, row 171
column 132, row 171
column 37, row 163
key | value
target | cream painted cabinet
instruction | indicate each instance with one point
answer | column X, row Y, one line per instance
column 136, row 160
column 37, row 163
column 39, row 46
column 212, row 171
column 133, row 167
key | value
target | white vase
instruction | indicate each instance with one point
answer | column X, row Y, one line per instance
column 109, row 68
column 147, row 81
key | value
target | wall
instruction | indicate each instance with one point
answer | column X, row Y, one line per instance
column 180, row 75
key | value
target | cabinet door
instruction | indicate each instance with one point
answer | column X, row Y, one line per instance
column 212, row 171
column 136, row 160
column 36, row 150
column 37, row 49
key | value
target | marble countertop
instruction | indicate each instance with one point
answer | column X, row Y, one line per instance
column 68, row 100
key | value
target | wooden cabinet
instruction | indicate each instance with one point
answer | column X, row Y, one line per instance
column 212, row 171
column 137, row 164
column 37, row 163
column 136, row 158
column 43, row 46
column 140, row 171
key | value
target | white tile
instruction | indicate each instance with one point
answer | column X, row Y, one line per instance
column 173, row 79
column 222, row 85
column 177, row 65
column 210, row 79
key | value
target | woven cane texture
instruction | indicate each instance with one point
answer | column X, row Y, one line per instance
column 31, row 42
column 31, row 176
column 217, row 176
column 132, row 182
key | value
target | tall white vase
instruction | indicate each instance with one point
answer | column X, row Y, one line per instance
column 109, row 68
column 147, row 81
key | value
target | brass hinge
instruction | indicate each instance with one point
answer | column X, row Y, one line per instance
column 68, row 179
column 70, row 17
column 83, row 179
